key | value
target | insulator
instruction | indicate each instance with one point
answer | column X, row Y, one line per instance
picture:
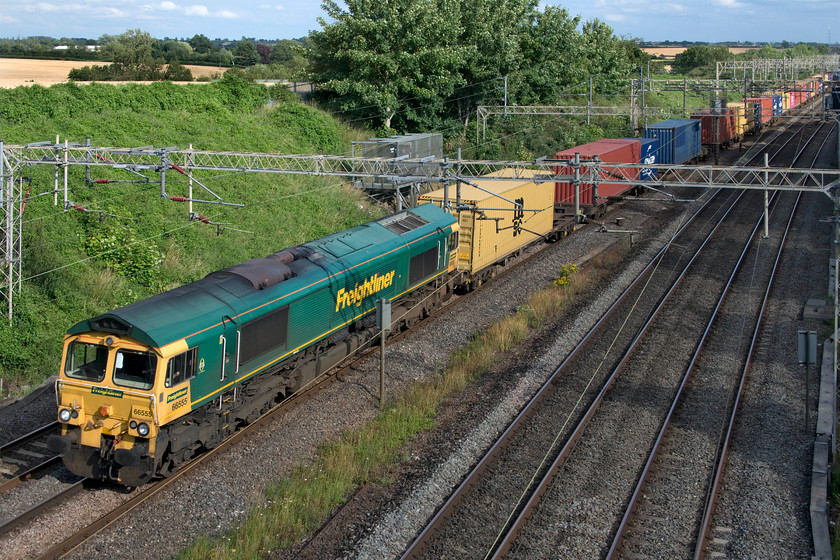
column 179, row 198
column 102, row 181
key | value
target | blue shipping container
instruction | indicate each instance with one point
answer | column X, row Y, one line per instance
column 650, row 149
column 679, row 140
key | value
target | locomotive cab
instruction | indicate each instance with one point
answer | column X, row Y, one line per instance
column 107, row 408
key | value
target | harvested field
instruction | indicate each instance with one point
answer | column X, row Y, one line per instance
column 16, row 72
column 671, row 52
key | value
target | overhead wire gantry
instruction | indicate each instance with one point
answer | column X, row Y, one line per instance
column 15, row 159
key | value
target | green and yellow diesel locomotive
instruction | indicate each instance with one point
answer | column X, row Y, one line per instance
column 145, row 387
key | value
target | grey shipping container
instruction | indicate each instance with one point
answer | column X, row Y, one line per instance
column 679, row 140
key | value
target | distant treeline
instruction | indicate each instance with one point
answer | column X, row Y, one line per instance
column 731, row 44
column 701, row 59
column 285, row 56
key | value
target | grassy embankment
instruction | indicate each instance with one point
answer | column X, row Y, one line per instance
column 693, row 99
column 133, row 243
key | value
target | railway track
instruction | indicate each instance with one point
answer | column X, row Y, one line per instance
column 106, row 522
column 148, row 491
column 26, row 456
column 677, row 492
column 488, row 515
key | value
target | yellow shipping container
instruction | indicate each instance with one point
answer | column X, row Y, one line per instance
column 494, row 228
column 740, row 121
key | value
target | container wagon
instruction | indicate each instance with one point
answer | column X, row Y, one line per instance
column 766, row 114
column 679, row 140
column 718, row 126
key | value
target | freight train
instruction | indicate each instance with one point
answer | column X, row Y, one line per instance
column 144, row 388
column 727, row 126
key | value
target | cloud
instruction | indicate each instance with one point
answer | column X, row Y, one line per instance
column 672, row 8
column 733, row 4
column 168, row 6
column 202, row 11
column 72, row 9
column 615, row 17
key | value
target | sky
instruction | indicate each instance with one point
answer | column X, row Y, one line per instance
column 650, row 20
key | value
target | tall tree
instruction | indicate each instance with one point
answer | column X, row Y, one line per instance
column 264, row 51
column 201, row 44
column 246, row 53
column 553, row 51
column 388, row 57
column 696, row 58
column 132, row 55
column 604, row 59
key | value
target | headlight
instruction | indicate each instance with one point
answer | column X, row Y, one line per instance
column 64, row 415
column 133, row 424
column 143, row 429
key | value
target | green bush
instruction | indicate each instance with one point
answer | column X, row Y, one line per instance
column 117, row 246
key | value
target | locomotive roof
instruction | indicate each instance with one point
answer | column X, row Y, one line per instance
column 234, row 293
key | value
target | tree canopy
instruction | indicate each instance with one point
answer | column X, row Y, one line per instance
column 137, row 56
column 421, row 63
column 696, row 57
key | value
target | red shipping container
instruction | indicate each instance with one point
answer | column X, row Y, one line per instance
column 766, row 106
column 726, row 122
column 802, row 90
column 608, row 150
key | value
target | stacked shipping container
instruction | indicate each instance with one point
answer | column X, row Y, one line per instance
column 720, row 126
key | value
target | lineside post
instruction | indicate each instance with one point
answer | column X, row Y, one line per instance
column 766, row 200
column 807, row 355
column 383, row 325
column 576, row 167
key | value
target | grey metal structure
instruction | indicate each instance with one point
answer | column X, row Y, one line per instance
column 775, row 68
column 406, row 149
column 636, row 108
column 147, row 160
